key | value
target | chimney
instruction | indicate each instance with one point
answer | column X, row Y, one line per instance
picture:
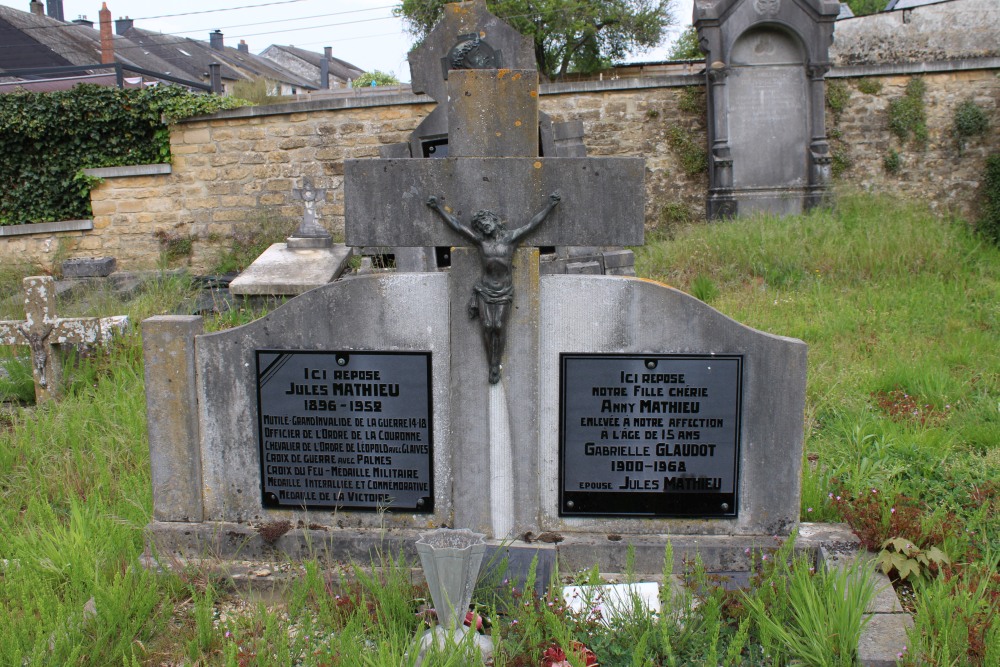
column 82, row 20
column 107, row 39
column 215, row 40
column 37, row 8
column 324, row 67
column 243, row 47
column 122, row 26
column 55, row 10
column 328, row 52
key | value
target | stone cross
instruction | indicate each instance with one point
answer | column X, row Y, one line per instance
column 310, row 234
column 42, row 330
column 493, row 165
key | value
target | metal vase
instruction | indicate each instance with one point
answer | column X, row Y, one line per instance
column 451, row 559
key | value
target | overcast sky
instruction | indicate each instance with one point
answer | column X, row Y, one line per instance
column 362, row 32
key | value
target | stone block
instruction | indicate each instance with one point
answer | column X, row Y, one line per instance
column 883, row 641
column 89, row 267
column 171, row 415
column 618, row 259
column 590, row 268
column 283, row 271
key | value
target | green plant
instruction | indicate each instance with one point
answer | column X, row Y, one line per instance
column 379, row 78
column 584, row 36
column 248, row 241
column 687, row 46
column 869, row 86
column 16, row 380
column 970, row 121
column 47, row 138
column 814, row 616
column 908, row 114
column 691, row 100
column 838, row 94
column 865, row 7
column 988, row 224
column 840, row 160
column 703, row 288
column 174, row 245
column 892, row 162
column 901, row 555
column 692, row 154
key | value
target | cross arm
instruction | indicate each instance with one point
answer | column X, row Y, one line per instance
column 602, row 199
column 87, row 330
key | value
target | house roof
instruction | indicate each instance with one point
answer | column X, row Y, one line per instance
column 29, row 40
column 194, row 54
column 338, row 68
column 183, row 53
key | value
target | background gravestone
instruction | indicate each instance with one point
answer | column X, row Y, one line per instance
column 766, row 62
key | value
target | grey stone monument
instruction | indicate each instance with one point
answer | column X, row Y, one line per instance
column 622, row 406
column 765, row 67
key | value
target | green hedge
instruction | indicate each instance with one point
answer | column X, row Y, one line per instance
column 47, row 138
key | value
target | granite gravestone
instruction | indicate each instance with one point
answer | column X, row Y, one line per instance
column 766, row 62
column 620, row 406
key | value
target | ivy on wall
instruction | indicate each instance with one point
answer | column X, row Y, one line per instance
column 47, row 138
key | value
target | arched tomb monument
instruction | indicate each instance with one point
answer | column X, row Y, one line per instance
column 765, row 67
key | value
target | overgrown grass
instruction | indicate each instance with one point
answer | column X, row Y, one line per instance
column 901, row 311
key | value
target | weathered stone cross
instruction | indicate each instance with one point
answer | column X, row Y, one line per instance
column 41, row 330
column 493, row 165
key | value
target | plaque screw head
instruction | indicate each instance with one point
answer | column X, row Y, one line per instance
column 420, row 502
column 725, row 507
column 651, row 364
column 569, row 504
column 341, row 361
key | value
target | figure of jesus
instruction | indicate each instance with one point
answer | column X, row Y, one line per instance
column 494, row 291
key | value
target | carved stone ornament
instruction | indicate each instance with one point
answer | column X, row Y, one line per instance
column 39, row 351
column 767, row 7
column 472, row 52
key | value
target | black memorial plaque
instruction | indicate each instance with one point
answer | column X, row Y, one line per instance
column 347, row 430
column 649, row 435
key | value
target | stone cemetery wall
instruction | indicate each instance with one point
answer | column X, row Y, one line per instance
column 945, row 31
column 233, row 173
column 939, row 172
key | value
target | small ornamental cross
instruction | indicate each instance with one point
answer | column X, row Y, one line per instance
column 41, row 330
column 310, row 233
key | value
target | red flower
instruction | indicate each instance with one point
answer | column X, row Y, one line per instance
column 555, row 656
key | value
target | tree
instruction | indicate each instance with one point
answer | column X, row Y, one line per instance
column 380, row 79
column 865, row 7
column 569, row 35
column 686, row 47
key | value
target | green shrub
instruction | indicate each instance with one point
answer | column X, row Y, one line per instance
column 908, row 114
column 692, row 101
column 989, row 222
column 892, row 162
column 869, row 86
column 380, row 79
column 692, row 154
column 841, row 160
column 970, row 121
column 837, row 96
column 47, row 138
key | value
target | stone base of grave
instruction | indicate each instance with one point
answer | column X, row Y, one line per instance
column 283, row 271
column 575, row 551
column 773, row 201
